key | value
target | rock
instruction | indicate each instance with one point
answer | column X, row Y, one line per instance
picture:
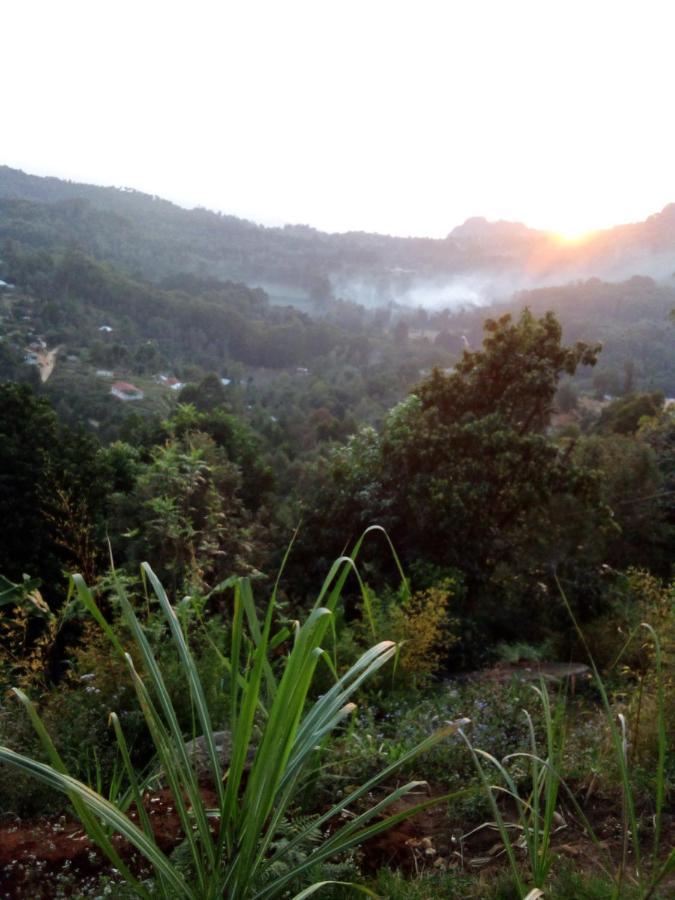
column 198, row 753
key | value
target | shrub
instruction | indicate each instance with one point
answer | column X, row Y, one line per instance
column 419, row 622
column 28, row 629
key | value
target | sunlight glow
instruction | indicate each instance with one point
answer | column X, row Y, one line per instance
column 574, row 235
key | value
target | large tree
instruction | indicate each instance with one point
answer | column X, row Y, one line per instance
column 464, row 473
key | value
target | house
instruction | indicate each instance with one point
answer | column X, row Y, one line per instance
column 170, row 382
column 104, row 373
column 125, row 391
column 30, row 358
column 106, row 329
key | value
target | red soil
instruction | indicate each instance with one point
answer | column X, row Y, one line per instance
column 34, row 855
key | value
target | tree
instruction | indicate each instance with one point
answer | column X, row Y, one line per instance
column 464, row 474
column 623, row 415
column 53, row 489
column 635, row 490
column 206, row 396
column 567, row 398
column 185, row 512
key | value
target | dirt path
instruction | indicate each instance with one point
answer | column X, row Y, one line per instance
column 46, row 363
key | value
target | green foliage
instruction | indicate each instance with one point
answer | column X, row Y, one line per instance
column 236, row 856
column 628, row 656
column 421, row 624
column 430, row 886
column 571, row 884
column 218, row 320
column 623, row 416
column 538, row 818
column 184, row 507
column 52, row 488
column 239, row 442
column 619, row 737
column 308, row 426
column 28, row 629
column 515, row 652
column 464, row 475
column 394, row 722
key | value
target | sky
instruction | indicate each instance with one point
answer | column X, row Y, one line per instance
column 398, row 117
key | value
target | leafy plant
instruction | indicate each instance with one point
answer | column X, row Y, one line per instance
column 619, row 737
column 536, row 812
column 537, row 816
column 233, row 847
column 521, row 650
column 419, row 622
column 23, row 647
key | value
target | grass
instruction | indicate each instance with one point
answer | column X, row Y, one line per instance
column 232, row 849
column 536, row 810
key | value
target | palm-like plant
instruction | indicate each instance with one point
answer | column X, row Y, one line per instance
column 232, row 849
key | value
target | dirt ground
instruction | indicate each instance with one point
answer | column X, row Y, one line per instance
column 46, row 363
column 36, row 858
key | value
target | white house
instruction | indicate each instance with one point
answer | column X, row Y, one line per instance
column 170, row 382
column 125, row 391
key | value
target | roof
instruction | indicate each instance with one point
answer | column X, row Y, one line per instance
column 126, row 387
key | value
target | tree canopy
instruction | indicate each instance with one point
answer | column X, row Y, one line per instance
column 464, row 473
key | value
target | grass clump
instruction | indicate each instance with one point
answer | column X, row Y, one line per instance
column 235, row 848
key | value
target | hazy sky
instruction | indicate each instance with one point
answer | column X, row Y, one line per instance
column 400, row 117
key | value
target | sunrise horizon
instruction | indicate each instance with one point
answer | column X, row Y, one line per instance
column 565, row 232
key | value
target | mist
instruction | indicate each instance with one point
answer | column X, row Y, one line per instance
column 482, row 288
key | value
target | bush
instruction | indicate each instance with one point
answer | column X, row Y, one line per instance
column 419, row 622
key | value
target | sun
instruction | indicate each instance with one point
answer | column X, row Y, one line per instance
column 573, row 234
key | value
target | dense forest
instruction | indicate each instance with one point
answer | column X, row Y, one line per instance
column 222, row 402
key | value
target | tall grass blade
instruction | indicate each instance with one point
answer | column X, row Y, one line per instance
column 97, row 806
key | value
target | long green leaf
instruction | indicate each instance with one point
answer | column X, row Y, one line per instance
column 191, row 674
column 82, row 810
column 108, row 812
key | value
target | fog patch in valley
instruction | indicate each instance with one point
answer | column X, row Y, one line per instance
column 465, row 290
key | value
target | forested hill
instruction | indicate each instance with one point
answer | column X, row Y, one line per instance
column 155, row 237
column 187, row 284
column 480, row 260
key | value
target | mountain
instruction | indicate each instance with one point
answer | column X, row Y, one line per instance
column 477, row 262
